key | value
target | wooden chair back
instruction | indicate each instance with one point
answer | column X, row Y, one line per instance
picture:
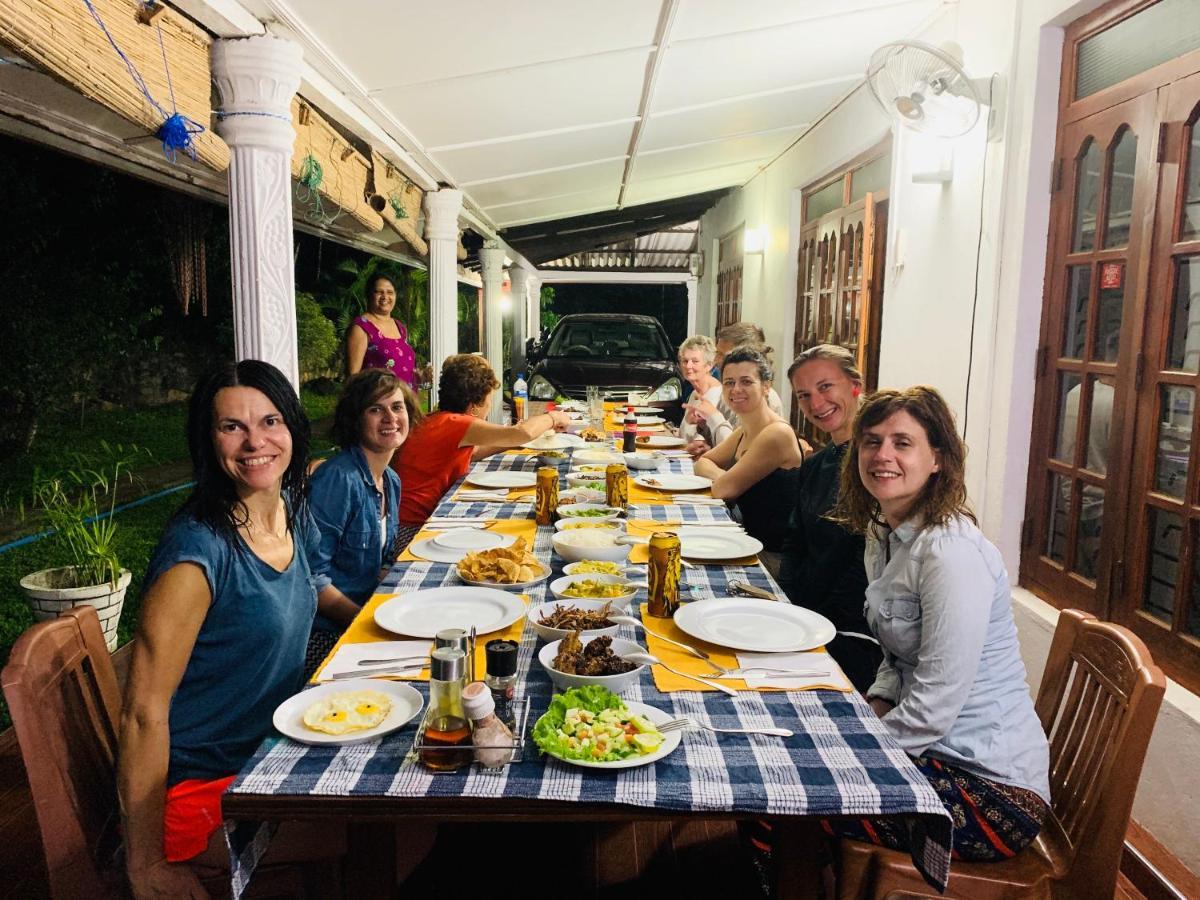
column 1099, row 698
column 62, row 692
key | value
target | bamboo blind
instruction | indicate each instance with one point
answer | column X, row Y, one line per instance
column 390, row 183
column 62, row 37
column 344, row 170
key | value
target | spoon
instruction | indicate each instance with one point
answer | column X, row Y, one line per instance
column 649, row 660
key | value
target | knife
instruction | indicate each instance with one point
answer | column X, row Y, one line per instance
column 371, row 673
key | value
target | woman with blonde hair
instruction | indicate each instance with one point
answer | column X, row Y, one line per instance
column 821, row 565
column 951, row 689
column 753, row 465
column 696, row 356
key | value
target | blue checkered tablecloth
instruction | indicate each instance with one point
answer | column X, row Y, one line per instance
column 840, row 761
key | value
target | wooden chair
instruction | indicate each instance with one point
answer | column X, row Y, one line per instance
column 1098, row 700
column 66, row 705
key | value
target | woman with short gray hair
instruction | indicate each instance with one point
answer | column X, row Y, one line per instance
column 705, row 418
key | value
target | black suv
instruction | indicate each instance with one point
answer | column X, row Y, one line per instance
column 619, row 353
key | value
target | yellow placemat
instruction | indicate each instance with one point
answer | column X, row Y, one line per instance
column 680, row 659
column 526, row 528
column 646, row 527
column 363, row 630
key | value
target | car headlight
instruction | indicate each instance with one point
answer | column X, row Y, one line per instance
column 541, row 389
column 668, row 390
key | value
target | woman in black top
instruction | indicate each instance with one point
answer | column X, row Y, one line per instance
column 822, row 564
column 756, row 464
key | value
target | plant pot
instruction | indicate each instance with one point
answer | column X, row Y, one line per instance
column 48, row 600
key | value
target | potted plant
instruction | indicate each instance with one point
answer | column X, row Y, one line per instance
column 78, row 505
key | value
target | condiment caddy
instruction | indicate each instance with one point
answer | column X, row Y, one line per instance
column 422, row 745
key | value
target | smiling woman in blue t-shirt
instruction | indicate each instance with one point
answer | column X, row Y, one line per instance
column 227, row 609
column 355, row 501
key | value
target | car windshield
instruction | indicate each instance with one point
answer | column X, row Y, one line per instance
column 622, row 339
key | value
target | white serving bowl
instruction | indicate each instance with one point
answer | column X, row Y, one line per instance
column 585, row 480
column 646, row 459
column 571, row 496
column 558, row 585
column 574, row 568
column 556, row 462
column 546, row 633
column 577, row 544
column 589, row 469
column 615, row 683
column 575, row 511
column 597, row 456
column 614, row 525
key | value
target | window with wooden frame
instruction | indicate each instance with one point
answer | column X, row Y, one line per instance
column 1118, row 366
column 729, row 278
column 842, row 238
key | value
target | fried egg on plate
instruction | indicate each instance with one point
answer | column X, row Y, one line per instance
column 348, row 712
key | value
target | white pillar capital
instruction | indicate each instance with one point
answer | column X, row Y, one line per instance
column 441, row 232
column 257, row 78
column 491, row 259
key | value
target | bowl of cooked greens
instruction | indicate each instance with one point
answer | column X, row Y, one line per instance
column 614, row 589
column 591, row 481
column 553, row 458
column 553, row 621
column 588, row 511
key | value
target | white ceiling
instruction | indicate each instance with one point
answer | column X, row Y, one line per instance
column 542, row 109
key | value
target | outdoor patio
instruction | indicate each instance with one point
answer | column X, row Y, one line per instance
column 1020, row 231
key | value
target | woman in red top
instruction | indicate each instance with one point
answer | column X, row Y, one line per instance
column 442, row 448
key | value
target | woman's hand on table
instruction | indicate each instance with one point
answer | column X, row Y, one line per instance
column 880, row 706
column 162, row 879
column 697, row 448
column 561, row 420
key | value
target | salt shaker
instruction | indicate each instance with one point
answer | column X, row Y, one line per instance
column 492, row 738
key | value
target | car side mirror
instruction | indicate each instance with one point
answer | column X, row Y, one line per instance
column 533, row 349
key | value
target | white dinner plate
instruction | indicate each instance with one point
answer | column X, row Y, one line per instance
column 289, row 715
column 516, row 586
column 469, row 539
column 698, row 542
column 670, row 741
column 673, row 481
column 658, row 441
column 645, row 411
column 430, row 549
column 425, row 613
column 747, row 623
column 596, row 456
column 649, row 420
column 504, row 479
column 555, row 440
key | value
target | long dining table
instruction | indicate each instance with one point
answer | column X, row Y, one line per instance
column 839, row 763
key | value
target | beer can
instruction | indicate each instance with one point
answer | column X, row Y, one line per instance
column 663, row 572
column 545, row 503
column 616, row 486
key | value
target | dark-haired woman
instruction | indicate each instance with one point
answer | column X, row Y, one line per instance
column 441, row 450
column 226, row 613
column 754, row 465
column 951, row 689
column 355, row 501
column 375, row 340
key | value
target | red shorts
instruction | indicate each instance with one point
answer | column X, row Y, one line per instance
column 192, row 813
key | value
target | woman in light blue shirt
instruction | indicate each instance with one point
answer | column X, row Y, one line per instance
column 951, row 689
column 355, row 501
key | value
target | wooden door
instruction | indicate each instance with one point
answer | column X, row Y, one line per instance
column 1162, row 598
column 1091, row 335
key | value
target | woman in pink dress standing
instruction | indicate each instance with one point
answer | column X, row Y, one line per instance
column 375, row 340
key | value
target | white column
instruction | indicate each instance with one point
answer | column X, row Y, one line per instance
column 491, row 259
column 519, row 275
column 691, row 306
column 441, row 231
column 534, row 327
column 257, row 78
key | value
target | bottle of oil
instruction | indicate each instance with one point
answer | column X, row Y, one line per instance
column 447, row 742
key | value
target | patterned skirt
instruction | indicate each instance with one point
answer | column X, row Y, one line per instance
column 992, row 821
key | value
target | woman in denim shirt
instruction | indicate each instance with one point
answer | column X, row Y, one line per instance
column 355, row 501
column 951, row 689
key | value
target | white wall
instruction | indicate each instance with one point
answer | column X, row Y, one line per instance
column 995, row 209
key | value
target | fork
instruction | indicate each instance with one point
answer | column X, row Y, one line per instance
column 680, row 724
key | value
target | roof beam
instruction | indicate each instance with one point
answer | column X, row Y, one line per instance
column 661, row 37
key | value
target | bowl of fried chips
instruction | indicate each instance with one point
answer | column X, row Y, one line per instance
column 512, row 567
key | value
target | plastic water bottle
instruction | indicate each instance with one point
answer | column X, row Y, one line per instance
column 520, row 397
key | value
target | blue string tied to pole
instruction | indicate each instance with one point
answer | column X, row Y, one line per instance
column 177, row 129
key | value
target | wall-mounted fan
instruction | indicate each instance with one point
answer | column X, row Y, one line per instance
column 924, row 88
